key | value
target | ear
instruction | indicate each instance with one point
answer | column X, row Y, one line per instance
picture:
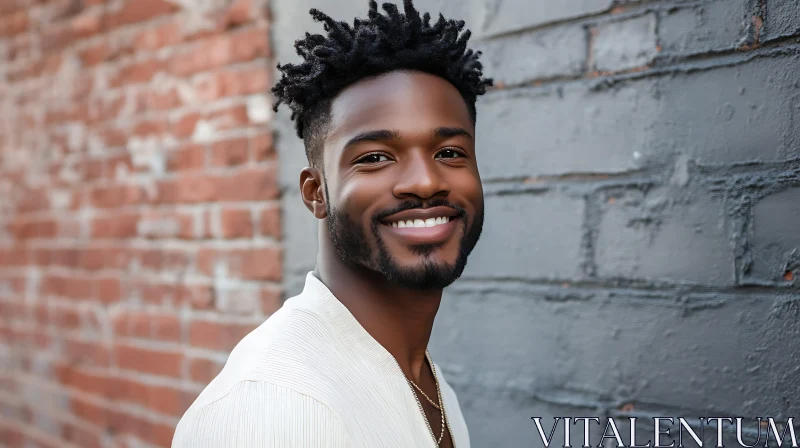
column 312, row 191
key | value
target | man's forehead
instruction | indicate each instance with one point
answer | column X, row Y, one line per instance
column 410, row 101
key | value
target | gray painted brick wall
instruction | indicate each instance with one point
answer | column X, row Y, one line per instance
column 641, row 253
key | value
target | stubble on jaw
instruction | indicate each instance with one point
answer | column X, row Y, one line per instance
column 351, row 244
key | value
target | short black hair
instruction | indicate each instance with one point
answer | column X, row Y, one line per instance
column 382, row 43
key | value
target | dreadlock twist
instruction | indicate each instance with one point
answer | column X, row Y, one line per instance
column 379, row 44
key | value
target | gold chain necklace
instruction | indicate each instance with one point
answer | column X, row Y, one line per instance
column 440, row 406
column 426, row 395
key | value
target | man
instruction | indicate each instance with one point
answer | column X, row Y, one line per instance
column 386, row 109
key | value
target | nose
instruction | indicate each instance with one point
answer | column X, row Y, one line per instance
column 421, row 177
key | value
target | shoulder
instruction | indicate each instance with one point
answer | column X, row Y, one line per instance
column 286, row 350
column 261, row 414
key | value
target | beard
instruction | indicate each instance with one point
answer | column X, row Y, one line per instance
column 350, row 241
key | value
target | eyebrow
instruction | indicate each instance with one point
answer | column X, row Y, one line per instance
column 373, row 136
column 444, row 132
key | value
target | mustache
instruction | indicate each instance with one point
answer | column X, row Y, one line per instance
column 410, row 205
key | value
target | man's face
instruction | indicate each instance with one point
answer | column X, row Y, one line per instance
column 404, row 195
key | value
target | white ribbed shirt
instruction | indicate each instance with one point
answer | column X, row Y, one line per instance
column 311, row 376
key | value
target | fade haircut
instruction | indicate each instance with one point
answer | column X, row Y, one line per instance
column 382, row 43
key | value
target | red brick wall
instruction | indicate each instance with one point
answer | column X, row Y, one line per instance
column 139, row 211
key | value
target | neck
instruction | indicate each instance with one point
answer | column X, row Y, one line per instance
column 401, row 320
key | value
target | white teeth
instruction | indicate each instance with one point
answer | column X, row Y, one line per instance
column 430, row 222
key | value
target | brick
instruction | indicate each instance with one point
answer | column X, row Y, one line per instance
column 161, row 399
column 217, row 335
column 82, row 352
column 66, row 319
column 203, row 88
column 624, row 45
column 112, row 137
column 776, row 238
column 236, row 223
column 137, row 72
column 714, row 26
column 202, row 370
column 94, row 258
column 506, row 16
column 229, row 118
column 13, row 24
column 187, row 158
column 84, row 381
column 198, row 296
column 33, row 200
column 58, row 257
column 625, row 127
column 161, row 260
column 163, row 327
column 133, row 11
column 20, row 47
column 11, row 6
column 116, row 196
column 157, row 37
column 230, row 152
column 95, row 54
column 147, row 128
column 119, row 226
column 168, row 401
column 89, row 411
column 166, row 327
column 188, row 189
column 271, row 300
column 81, row 436
column 650, row 237
column 249, row 44
column 166, row 225
column 186, row 125
column 243, row 81
column 552, row 246
column 127, row 390
column 26, row 229
column 156, row 362
column 157, row 99
column 64, row 286
column 208, row 55
column 249, row 264
column 238, row 13
column 262, row 148
column 13, row 256
column 782, row 20
column 522, row 58
column 158, row 434
column 221, row 50
column 108, row 290
column 270, row 222
column 252, row 184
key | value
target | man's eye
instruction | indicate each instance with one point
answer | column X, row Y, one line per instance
column 373, row 158
column 450, row 154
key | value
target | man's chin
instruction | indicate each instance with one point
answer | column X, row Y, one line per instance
column 424, row 275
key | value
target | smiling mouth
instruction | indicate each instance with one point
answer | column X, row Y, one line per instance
column 420, row 223
column 423, row 231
